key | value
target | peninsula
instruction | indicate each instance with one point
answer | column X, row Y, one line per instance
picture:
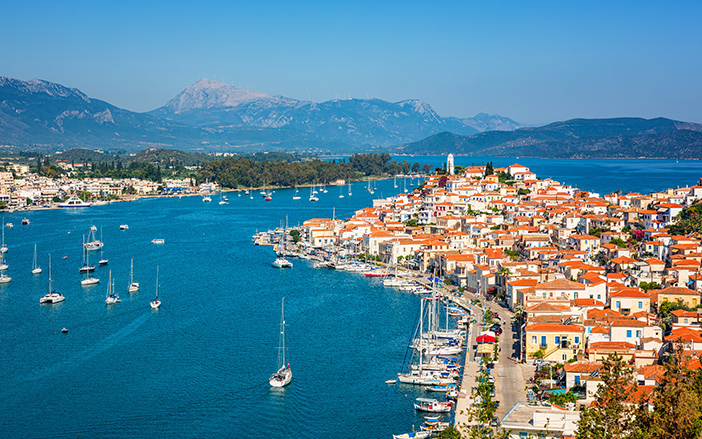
column 588, row 296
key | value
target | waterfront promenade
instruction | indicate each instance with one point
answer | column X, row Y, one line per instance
column 508, row 372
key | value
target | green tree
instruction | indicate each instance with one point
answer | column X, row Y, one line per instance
column 610, row 415
column 677, row 402
column 647, row 286
column 295, row 235
column 489, row 169
column 449, row 432
column 619, row 242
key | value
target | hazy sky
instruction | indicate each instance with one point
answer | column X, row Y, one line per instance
column 535, row 62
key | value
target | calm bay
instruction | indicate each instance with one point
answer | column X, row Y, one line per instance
column 199, row 366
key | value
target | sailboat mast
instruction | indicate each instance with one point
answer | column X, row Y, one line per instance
column 49, row 272
column 282, row 330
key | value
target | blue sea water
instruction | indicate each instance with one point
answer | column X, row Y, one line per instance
column 198, row 367
column 597, row 175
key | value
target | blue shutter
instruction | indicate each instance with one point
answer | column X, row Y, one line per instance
column 628, row 333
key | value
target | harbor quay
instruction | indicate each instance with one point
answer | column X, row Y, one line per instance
column 531, row 282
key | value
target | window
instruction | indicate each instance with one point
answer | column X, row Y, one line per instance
column 543, row 341
column 577, row 339
column 558, row 340
column 619, row 304
column 564, row 357
column 638, row 333
column 533, row 339
column 575, row 295
column 640, row 305
column 628, row 333
column 577, row 380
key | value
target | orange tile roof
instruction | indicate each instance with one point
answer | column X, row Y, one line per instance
column 553, row 327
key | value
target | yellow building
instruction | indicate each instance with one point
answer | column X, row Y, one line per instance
column 559, row 343
column 689, row 297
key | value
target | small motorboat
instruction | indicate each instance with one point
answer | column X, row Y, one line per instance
column 158, row 241
column 9, row 225
column 64, row 330
column 390, row 381
column 440, row 388
column 432, row 405
column 124, row 227
column 414, row 435
column 25, row 221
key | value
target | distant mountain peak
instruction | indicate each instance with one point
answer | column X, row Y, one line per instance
column 207, row 93
column 36, row 86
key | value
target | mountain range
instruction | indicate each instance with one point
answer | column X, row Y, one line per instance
column 576, row 138
column 210, row 115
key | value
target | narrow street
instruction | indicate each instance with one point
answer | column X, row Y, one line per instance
column 509, row 381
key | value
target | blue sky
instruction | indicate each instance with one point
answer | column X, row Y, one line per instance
column 535, row 62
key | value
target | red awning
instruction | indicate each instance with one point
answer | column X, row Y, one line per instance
column 485, row 339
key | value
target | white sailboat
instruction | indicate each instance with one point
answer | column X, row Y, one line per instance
column 36, row 269
column 102, row 262
column 89, row 280
column 92, row 243
column 3, row 266
column 133, row 286
column 313, row 196
column 3, row 263
column 112, row 297
column 156, row 303
column 341, row 193
column 350, row 189
column 52, row 296
column 296, row 196
column 223, row 199
column 395, row 181
column 284, row 374
column 3, row 248
column 85, row 268
column 281, row 261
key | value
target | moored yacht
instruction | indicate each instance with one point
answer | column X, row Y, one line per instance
column 52, row 296
column 282, row 262
column 74, row 202
column 133, row 286
column 283, row 375
column 156, row 303
column 112, row 297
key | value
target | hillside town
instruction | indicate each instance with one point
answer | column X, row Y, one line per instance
column 583, row 275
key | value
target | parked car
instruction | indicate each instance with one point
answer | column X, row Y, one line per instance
column 495, row 422
column 497, row 331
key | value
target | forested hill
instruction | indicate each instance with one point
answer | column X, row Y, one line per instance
column 235, row 172
column 577, row 138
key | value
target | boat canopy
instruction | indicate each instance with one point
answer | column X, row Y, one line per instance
column 427, row 400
